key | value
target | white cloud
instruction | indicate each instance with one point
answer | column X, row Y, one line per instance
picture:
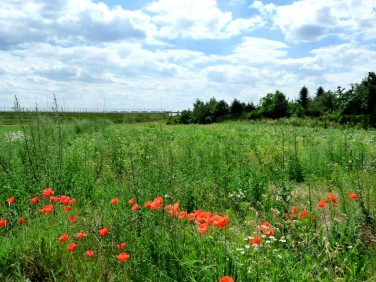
column 90, row 54
column 259, row 50
column 197, row 19
column 69, row 21
column 265, row 10
column 259, row 66
column 239, row 26
column 314, row 20
column 128, row 74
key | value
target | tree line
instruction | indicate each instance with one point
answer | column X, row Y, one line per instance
column 356, row 105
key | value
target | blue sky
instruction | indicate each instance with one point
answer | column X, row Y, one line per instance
column 167, row 53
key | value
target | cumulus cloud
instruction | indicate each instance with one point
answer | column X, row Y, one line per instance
column 92, row 55
column 259, row 66
column 197, row 19
column 314, row 20
column 68, row 20
column 239, row 26
column 259, row 50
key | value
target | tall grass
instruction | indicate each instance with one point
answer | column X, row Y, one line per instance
column 251, row 173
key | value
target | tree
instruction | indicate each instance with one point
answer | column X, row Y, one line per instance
column 200, row 112
column 236, row 107
column 303, row 97
column 367, row 92
column 274, row 105
column 203, row 113
column 221, row 109
column 319, row 92
column 326, row 103
column 185, row 117
column 361, row 99
column 211, row 105
column 249, row 107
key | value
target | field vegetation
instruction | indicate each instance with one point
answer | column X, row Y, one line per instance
column 151, row 202
column 84, row 118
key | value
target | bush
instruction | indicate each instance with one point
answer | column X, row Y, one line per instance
column 90, row 125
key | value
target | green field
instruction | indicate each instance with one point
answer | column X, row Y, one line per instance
column 267, row 179
column 12, row 118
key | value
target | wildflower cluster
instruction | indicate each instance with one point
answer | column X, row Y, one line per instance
column 332, row 199
column 266, row 230
column 203, row 219
column 48, row 203
column 292, row 215
column 67, row 203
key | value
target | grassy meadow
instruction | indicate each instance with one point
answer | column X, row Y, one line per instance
column 151, row 202
column 12, row 118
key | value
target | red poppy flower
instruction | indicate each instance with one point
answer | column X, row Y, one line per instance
column 147, row 204
column 35, row 200
column 47, row 209
column 21, row 220
column 332, row 198
column 3, row 222
column 89, row 254
column 204, row 217
column 268, row 231
column 197, row 212
column 253, row 241
column 114, row 201
column 322, row 204
column 54, row 199
column 191, row 216
column 220, row 222
column 72, row 201
column 121, row 246
column 182, row 214
column 72, row 218
column 303, row 213
column 174, row 209
column 103, row 232
column 157, row 203
column 294, row 209
column 135, row 207
column 72, row 247
column 67, row 208
column 123, row 257
column 352, row 196
column 11, row 200
column 131, row 201
column 226, row 279
column 80, row 235
column 209, row 220
column 47, row 192
column 64, row 199
column 264, row 224
column 155, row 206
column 63, row 238
column 203, row 228
column 287, row 214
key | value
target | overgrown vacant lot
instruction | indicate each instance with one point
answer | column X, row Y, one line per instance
column 190, row 203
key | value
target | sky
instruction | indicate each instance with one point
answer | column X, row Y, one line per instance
column 165, row 54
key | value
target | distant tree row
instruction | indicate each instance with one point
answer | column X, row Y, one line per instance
column 355, row 105
column 213, row 111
